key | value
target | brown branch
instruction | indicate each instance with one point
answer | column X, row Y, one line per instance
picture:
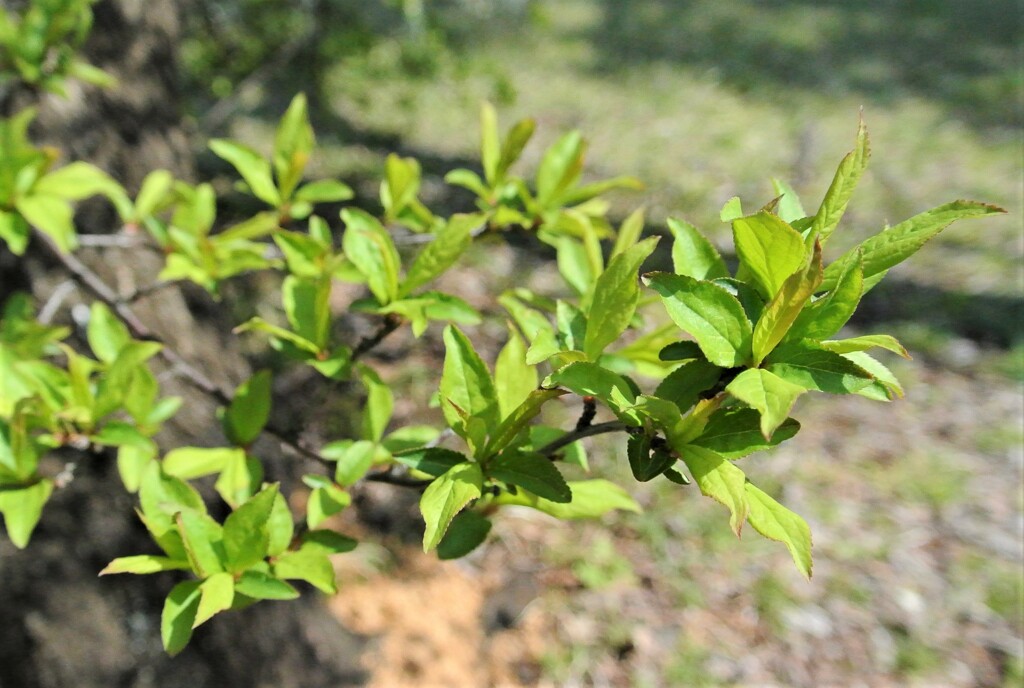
column 391, row 323
column 551, row 448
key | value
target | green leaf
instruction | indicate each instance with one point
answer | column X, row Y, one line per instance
column 263, row 586
column 732, row 210
column 368, row 245
column 719, row 479
column 560, row 167
column 684, row 385
column 433, row 461
column 776, row 522
column 516, row 421
column 216, row 594
column 827, row 315
column 22, row 507
column 15, row 231
column 490, row 145
column 447, row 496
column 327, row 541
column 772, row 396
column 890, row 386
column 645, row 460
column 512, row 147
column 532, row 472
column 467, row 179
column 467, row 531
column 379, row 404
column 324, row 191
column 308, row 564
column 466, row 384
column 681, row 351
column 814, row 368
column 179, row 613
column 245, row 530
column 590, row 379
column 440, row 254
column 590, row 499
column 279, row 527
column 144, row 563
column 307, row 305
column 293, row 142
column 106, row 333
column 324, row 502
column 865, row 343
column 614, row 298
column 255, row 170
column 692, row 254
column 203, row 539
column 514, row 378
column 769, row 248
column 841, row 190
column 629, row 233
column 896, row 244
column 782, row 311
column 401, row 184
column 303, row 254
column 155, row 189
column 260, row 325
column 709, row 313
column 50, row 215
column 79, row 180
column 790, row 208
column 131, row 461
column 195, row 462
column 249, row 410
column 353, row 461
column 736, row 432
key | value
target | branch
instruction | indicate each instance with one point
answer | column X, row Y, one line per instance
column 391, row 323
column 551, row 448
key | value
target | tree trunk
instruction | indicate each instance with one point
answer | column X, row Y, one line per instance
column 62, row 626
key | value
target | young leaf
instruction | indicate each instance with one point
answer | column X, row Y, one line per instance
column 245, row 531
column 560, row 167
column 826, row 316
column 466, row 384
column 249, row 410
column 839, row 192
column 262, row 586
column 22, row 507
column 178, row 616
column 769, row 248
column 512, row 147
column 106, row 333
column 435, row 461
column 732, row 210
column 490, row 144
column 447, row 496
column 707, row 312
column 776, row 522
column 782, row 311
column 143, row 563
column 467, row 531
column 514, row 379
column 897, row 243
column 440, row 254
column 216, row 594
column 590, row 379
column 380, row 403
column 865, row 343
column 195, row 462
column 790, row 209
column 590, row 499
column 814, row 368
column 890, row 386
column 309, row 564
column 614, row 298
column 516, row 421
column 692, row 254
column 203, row 539
column 532, row 472
column 629, row 233
column 293, row 142
column 719, row 479
column 353, row 462
column 307, row 304
column 368, row 245
column 772, row 396
column 50, row 215
column 324, row 191
column 255, row 170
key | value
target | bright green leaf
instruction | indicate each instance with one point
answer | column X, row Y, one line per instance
column 692, row 254
column 447, row 496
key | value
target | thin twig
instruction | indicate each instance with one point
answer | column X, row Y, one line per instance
column 56, row 300
column 110, row 241
column 551, row 448
column 391, row 323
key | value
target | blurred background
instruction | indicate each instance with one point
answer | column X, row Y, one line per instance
column 916, row 507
